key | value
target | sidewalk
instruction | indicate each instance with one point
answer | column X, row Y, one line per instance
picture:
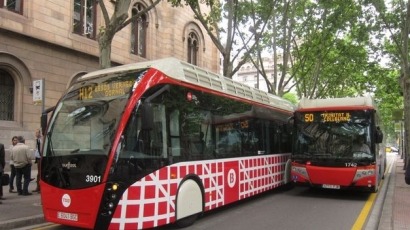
column 396, row 208
column 19, row 211
column 391, row 210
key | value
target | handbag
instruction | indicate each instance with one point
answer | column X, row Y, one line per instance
column 5, row 179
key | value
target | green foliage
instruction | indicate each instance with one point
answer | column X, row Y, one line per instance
column 291, row 97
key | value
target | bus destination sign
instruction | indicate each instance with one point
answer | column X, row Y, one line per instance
column 327, row 117
column 110, row 89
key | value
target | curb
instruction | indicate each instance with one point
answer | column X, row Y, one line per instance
column 22, row 222
column 381, row 214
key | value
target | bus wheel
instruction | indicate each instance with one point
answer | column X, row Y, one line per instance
column 187, row 221
column 375, row 188
column 189, row 203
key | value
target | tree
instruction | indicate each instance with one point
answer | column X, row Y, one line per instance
column 395, row 20
column 330, row 55
column 229, row 26
column 277, row 39
column 118, row 20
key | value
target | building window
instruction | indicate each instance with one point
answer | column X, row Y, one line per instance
column 139, row 31
column 12, row 5
column 6, row 96
column 84, row 19
column 193, row 46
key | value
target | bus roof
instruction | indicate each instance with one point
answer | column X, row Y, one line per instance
column 364, row 102
column 195, row 75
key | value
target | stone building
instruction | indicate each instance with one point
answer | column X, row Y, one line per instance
column 55, row 41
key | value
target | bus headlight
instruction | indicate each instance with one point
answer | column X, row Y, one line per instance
column 362, row 173
column 110, row 197
column 300, row 171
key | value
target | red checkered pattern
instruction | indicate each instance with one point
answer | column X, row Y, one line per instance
column 151, row 202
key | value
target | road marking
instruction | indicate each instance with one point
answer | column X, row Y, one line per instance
column 364, row 213
column 361, row 219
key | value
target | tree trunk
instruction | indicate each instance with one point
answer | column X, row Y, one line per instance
column 105, row 51
column 406, row 83
column 406, row 95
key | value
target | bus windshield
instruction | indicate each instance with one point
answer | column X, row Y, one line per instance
column 86, row 118
column 333, row 135
column 82, row 130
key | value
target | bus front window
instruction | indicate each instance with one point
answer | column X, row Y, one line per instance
column 82, row 129
column 320, row 140
column 84, row 126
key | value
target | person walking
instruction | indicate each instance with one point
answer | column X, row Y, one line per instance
column 22, row 157
column 12, row 169
column 2, row 166
column 37, row 154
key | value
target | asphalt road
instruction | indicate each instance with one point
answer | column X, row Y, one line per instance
column 298, row 208
column 295, row 209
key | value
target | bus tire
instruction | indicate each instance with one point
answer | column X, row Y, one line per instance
column 189, row 203
column 187, row 221
column 288, row 172
column 288, row 183
column 384, row 168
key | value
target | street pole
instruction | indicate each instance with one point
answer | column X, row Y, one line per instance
column 44, row 95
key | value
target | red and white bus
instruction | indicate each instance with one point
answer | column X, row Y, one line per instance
column 337, row 144
column 148, row 144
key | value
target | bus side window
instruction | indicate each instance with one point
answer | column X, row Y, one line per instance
column 131, row 133
column 286, row 139
column 275, row 141
column 175, row 139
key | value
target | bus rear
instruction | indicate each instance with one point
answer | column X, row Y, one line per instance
column 336, row 144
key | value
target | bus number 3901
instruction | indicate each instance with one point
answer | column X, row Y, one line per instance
column 92, row 179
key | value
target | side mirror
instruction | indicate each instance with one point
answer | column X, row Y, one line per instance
column 147, row 116
column 44, row 119
column 378, row 135
column 290, row 125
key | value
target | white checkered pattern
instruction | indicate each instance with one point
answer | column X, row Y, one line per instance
column 150, row 202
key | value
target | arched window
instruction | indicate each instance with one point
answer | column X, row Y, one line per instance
column 193, row 46
column 6, row 96
column 139, row 31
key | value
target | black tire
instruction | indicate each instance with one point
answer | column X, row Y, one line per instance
column 289, row 186
column 187, row 221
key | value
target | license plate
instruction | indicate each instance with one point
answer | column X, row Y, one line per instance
column 67, row 216
column 331, row 186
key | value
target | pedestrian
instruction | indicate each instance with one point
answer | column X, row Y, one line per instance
column 12, row 169
column 37, row 154
column 22, row 157
column 2, row 166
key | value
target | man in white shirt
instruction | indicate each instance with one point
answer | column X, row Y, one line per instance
column 21, row 155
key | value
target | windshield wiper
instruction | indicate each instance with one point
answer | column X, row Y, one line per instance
column 75, row 151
